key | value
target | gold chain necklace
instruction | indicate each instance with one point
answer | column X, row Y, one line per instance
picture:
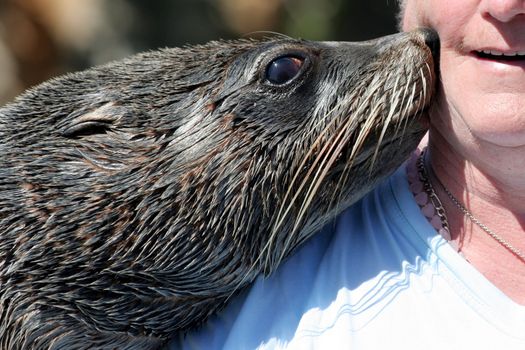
column 440, row 210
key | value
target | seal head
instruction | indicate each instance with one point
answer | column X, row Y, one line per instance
column 137, row 197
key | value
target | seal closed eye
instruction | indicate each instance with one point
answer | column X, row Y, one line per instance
column 136, row 198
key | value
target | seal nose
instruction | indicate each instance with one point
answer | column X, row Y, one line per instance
column 431, row 38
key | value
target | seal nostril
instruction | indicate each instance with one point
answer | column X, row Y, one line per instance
column 431, row 39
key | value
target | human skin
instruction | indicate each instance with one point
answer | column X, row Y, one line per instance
column 477, row 134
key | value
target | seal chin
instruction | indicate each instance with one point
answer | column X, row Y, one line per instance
column 424, row 120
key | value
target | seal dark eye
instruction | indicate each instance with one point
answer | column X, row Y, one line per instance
column 283, row 69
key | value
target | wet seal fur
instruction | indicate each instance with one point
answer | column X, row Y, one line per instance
column 137, row 197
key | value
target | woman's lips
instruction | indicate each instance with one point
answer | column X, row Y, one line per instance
column 501, row 59
column 497, row 55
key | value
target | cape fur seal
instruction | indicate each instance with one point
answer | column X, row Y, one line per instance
column 137, row 197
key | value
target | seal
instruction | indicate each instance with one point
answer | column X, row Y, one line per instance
column 137, row 197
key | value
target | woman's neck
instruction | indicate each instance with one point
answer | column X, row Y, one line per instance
column 490, row 187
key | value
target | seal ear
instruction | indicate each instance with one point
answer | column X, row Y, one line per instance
column 89, row 122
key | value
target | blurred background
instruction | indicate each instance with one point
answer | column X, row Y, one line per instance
column 40, row 39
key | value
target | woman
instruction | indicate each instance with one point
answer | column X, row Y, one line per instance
column 477, row 140
column 384, row 277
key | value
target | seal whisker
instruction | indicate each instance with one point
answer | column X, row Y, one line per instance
column 340, row 141
column 407, row 97
column 270, row 33
column 373, row 117
column 386, row 122
column 425, row 89
column 333, row 148
column 402, row 96
column 287, row 206
column 312, row 177
column 364, row 131
column 330, row 156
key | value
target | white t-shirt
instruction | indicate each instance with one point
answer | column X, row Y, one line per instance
column 380, row 277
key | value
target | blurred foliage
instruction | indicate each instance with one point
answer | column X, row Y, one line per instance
column 42, row 38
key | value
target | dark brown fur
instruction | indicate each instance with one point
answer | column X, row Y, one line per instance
column 137, row 197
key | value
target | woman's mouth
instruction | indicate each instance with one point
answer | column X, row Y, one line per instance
column 501, row 56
